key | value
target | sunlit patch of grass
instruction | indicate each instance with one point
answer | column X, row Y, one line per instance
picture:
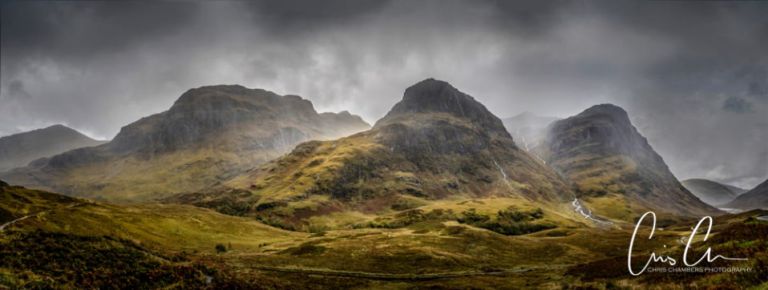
column 170, row 227
column 125, row 179
column 597, row 176
column 337, row 220
column 612, row 206
column 16, row 201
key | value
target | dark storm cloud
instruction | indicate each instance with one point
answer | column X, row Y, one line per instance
column 299, row 17
column 16, row 91
column 737, row 105
column 78, row 30
column 691, row 74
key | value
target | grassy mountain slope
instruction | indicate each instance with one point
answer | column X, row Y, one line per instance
column 69, row 242
column 160, row 226
column 18, row 202
column 208, row 135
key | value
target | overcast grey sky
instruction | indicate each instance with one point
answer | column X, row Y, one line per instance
column 693, row 75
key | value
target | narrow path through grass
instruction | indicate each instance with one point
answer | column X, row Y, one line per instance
column 3, row 226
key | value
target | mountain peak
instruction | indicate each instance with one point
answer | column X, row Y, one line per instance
column 57, row 127
column 209, row 110
column 611, row 111
column 53, row 131
column 605, row 128
column 436, row 96
column 237, row 97
column 432, row 95
column 20, row 149
column 604, row 154
column 430, row 83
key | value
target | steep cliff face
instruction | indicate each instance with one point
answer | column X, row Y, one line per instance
column 208, row 134
column 614, row 167
column 437, row 143
column 19, row 149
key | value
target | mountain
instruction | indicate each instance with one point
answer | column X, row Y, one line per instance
column 713, row 193
column 209, row 134
column 613, row 167
column 757, row 198
column 735, row 189
column 19, row 149
column 528, row 129
column 436, row 144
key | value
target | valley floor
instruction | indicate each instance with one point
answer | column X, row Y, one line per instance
column 83, row 244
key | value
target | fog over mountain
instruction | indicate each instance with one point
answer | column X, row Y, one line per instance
column 693, row 76
column 19, row 149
